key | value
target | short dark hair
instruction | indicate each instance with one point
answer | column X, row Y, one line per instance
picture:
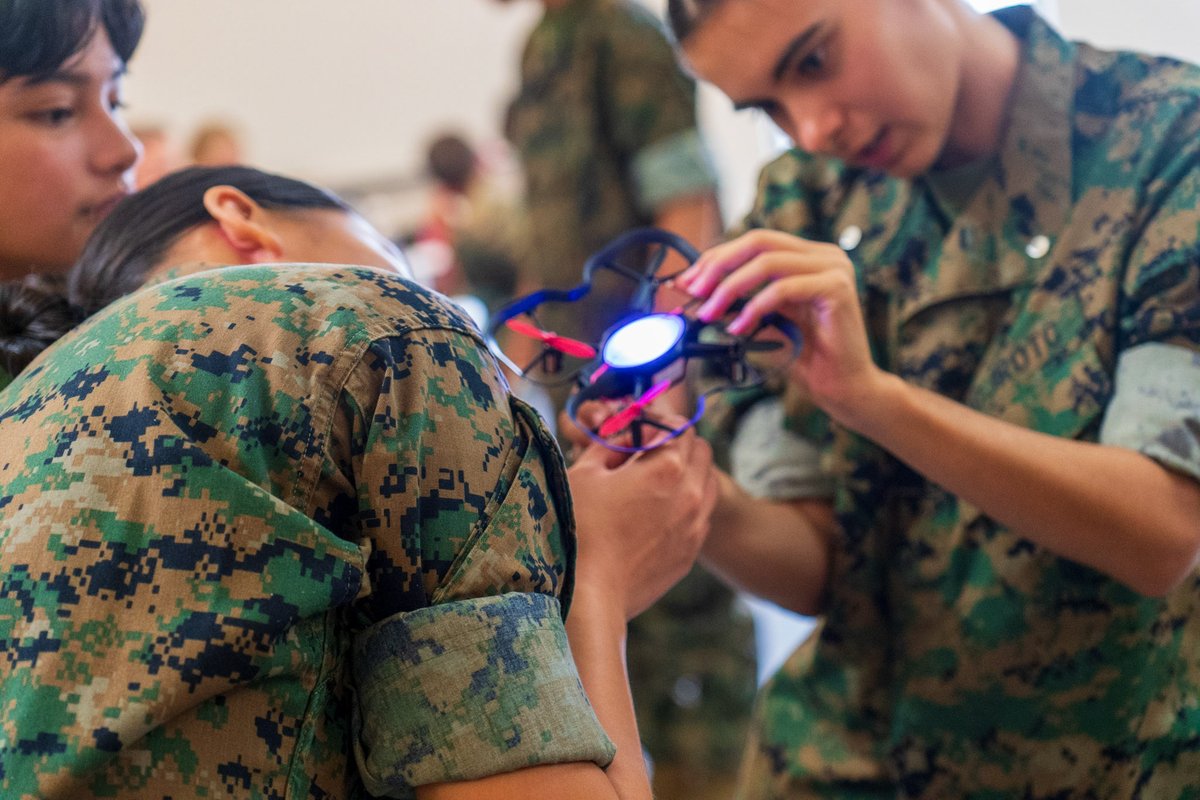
column 451, row 161
column 38, row 36
column 127, row 245
column 685, row 16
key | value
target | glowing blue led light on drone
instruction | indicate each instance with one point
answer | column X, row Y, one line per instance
column 643, row 341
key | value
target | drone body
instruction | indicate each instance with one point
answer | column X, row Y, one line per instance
column 645, row 353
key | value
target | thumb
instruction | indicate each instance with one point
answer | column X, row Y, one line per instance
column 597, row 456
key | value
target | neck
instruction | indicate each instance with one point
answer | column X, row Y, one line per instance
column 555, row 5
column 991, row 58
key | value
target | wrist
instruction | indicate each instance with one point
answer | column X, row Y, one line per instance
column 873, row 407
column 601, row 608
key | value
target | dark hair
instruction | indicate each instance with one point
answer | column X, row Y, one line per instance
column 33, row 315
column 133, row 239
column 451, row 161
column 39, row 36
column 129, row 243
column 684, row 16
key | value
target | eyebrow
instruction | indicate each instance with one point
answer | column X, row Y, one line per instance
column 70, row 77
column 790, row 53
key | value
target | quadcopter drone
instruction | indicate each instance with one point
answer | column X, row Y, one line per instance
column 646, row 352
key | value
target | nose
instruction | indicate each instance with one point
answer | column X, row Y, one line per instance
column 114, row 149
column 817, row 128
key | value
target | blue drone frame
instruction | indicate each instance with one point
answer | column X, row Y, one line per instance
column 628, row 364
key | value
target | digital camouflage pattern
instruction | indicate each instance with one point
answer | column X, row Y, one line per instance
column 275, row 532
column 957, row 659
column 605, row 125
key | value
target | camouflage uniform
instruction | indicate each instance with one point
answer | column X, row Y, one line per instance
column 5, row 378
column 1056, row 287
column 605, row 124
column 278, row 532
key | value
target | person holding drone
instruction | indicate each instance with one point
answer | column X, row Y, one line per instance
column 989, row 239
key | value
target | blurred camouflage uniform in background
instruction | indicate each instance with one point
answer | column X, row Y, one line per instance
column 1055, row 286
column 605, row 124
column 279, row 531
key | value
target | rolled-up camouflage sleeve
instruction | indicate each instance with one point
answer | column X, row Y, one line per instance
column 1156, row 405
column 769, row 460
column 461, row 665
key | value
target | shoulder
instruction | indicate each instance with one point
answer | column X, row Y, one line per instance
column 1127, row 77
column 797, row 181
column 1128, row 97
column 359, row 301
column 629, row 24
column 795, row 167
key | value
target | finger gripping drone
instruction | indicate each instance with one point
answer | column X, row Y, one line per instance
column 646, row 352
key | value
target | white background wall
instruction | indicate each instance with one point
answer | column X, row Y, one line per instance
column 333, row 91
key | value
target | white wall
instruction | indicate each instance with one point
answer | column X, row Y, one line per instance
column 1167, row 27
column 333, row 91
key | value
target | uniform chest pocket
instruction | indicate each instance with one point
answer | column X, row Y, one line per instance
column 1048, row 375
column 1010, row 355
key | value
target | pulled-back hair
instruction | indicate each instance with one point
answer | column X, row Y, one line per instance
column 684, row 16
column 127, row 245
column 38, row 36
column 33, row 315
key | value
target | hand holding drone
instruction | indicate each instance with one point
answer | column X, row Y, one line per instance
column 645, row 352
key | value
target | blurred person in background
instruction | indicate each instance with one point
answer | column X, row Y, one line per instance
column 482, row 226
column 605, row 125
column 160, row 154
column 216, row 143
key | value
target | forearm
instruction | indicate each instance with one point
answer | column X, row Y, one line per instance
column 596, row 630
column 775, row 550
column 1110, row 508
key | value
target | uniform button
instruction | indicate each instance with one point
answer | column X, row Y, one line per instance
column 1038, row 246
column 687, row 691
column 850, row 237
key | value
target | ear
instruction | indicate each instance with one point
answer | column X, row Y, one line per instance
column 243, row 223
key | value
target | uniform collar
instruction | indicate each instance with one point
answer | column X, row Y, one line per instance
column 998, row 235
column 1034, row 158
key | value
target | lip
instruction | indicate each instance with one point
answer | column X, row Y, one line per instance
column 100, row 210
column 880, row 153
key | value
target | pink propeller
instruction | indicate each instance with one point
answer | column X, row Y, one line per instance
column 570, row 347
column 621, row 420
